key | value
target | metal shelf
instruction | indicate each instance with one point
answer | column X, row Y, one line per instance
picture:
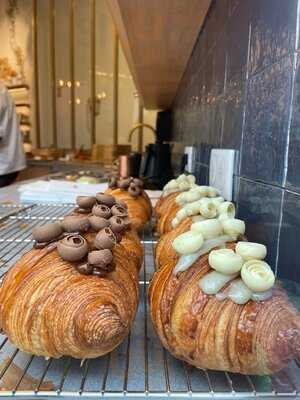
column 138, row 368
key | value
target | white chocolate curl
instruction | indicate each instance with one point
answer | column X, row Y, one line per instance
column 251, row 251
column 226, row 208
column 209, row 228
column 257, row 275
column 225, row 261
column 212, row 282
column 233, row 227
column 188, row 242
column 207, row 208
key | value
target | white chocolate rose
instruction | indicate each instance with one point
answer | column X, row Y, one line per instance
column 191, row 179
column 217, row 200
column 188, row 242
column 181, row 178
column 192, row 208
column 233, row 227
column 209, row 228
column 207, row 208
column 257, row 275
column 202, row 190
column 226, row 208
column 171, row 185
column 184, row 185
column 191, row 196
column 225, row 261
column 212, row 192
column 251, row 251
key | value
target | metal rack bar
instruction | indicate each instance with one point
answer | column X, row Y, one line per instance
column 163, row 381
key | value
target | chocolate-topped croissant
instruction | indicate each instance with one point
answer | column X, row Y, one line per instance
column 130, row 192
column 213, row 305
column 76, row 292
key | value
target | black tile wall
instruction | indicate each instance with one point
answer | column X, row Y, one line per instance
column 241, row 90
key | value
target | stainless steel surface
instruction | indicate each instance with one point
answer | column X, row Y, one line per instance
column 138, row 368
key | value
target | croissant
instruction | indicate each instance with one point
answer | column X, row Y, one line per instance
column 164, row 203
column 139, row 208
column 254, row 338
column 164, row 250
column 164, row 223
column 74, row 294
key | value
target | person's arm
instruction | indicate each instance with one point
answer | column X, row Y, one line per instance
column 3, row 111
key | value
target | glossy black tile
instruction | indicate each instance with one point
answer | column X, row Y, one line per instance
column 288, row 261
column 233, row 119
column 237, row 48
column 293, row 172
column 259, row 206
column 267, row 122
column 273, row 31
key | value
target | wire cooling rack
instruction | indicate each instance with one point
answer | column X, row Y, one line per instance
column 138, row 368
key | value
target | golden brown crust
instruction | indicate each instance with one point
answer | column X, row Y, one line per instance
column 164, row 223
column 164, row 250
column 255, row 338
column 47, row 308
column 139, row 208
column 164, row 203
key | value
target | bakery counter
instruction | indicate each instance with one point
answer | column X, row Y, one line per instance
column 38, row 168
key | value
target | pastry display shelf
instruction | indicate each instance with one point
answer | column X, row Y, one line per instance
column 138, row 368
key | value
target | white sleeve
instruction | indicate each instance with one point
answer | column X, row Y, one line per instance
column 3, row 114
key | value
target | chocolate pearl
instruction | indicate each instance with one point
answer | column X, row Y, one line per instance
column 100, row 210
column 124, row 183
column 98, row 223
column 85, row 269
column 105, row 199
column 119, row 211
column 100, row 257
column 105, row 239
column 116, row 223
column 122, row 203
column 134, row 190
column 46, row 233
column 86, row 202
column 73, row 223
column 138, row 182
column 127, row 222
column 113, row 182
column 72, row 248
